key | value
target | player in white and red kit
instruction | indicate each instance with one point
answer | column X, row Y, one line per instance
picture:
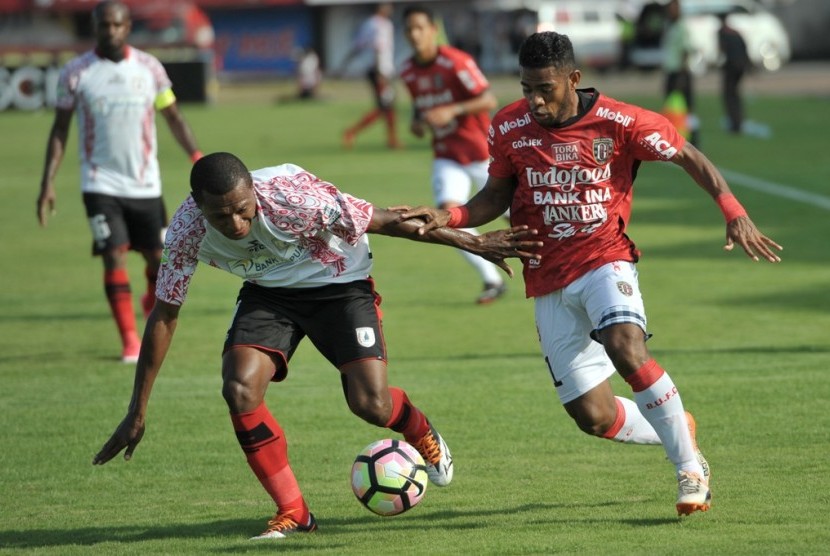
column 300, row 246
column 116, row 89
column 564, row 161
column 452, row 99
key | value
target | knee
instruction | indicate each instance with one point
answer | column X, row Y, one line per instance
column 595, row 425
column 239, row 396
column 374, row 409
column 626, row 348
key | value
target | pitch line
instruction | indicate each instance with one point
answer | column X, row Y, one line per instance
column 785, row 191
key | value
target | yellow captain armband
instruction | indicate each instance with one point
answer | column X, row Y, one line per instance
column 165, row 99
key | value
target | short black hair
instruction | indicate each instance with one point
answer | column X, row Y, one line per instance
column 217, row 174
column 101, row 7
column 419, row 9
column 547, row 49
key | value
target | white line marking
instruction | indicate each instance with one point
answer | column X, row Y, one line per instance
column 812, row 199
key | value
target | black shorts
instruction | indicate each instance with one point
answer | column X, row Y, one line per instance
column 383, row 88
column 343, row 321
column 121, row 222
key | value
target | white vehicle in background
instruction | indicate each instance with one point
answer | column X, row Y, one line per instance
column 592, row 26
column 767, row 42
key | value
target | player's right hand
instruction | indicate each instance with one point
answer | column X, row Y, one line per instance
column 128, row 434
column 433, row 217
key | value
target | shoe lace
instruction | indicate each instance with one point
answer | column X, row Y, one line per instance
column 280, row 523
column 428, row 447
column 689, row 483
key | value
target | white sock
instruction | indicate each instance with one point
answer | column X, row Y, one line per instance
column 660, row 404
column 490, row 273
column 633, row 427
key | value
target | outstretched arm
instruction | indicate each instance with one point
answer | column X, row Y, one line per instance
column 181, row 131
column 492, row 246
column 55, row 148
column 154, row 345
column 739, row 227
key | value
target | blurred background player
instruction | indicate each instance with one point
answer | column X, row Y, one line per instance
column 451, row 99
column 378, row 35
column 736, row 62
column 677, row 46
column 116, row 90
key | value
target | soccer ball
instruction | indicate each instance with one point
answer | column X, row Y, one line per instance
column 389, row 477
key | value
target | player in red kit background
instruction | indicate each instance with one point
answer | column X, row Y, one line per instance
column 451, row 99
column 564, row 161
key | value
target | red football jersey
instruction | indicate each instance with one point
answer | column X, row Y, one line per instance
column 574, row 183
column 452, row 77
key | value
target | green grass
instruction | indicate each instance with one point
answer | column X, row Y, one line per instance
column 747, row 343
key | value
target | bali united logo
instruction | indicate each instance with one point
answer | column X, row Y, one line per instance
column 603, row 149
column 625, row 289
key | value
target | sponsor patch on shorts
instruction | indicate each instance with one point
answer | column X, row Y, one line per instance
column 365, row 336
column 625, row 288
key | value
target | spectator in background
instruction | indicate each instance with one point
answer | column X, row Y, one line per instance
column 309, row 75
column 116, row 89
column 378, row 35
column 676, row 46
column 735, row 63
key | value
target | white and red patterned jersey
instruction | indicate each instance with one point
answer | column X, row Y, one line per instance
column 116, row 121
column 306, row 233
column 451, row 78
column 574, row 182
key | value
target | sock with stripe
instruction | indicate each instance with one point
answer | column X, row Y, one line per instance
column 120, row 298
column 265, row 447
column 406, row 418
column 630, row 426
column 659, row 402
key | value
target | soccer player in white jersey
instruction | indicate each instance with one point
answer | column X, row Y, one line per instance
column 452, row 100
column 116, row 89
column 564, row 161
column 300, row 246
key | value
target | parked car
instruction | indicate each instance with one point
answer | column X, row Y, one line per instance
column 593, row 27
column 767, row 42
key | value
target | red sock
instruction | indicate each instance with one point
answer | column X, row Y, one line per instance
column 366, row 121
column 119, row 295
column 391, row 133
column 406, row 418
column 264, row 444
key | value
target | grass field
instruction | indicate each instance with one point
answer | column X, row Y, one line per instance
column 747, row 343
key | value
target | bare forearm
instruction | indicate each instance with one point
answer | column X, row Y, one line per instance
column 154, row 346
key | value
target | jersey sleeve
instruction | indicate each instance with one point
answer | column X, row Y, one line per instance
column 67, row 87
column 500, row 166
column 654, row 137
column 180, row 255
column 470, row 76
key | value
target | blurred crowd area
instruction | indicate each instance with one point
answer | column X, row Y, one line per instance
column 204, row 42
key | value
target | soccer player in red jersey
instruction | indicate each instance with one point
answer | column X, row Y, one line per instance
column 302, row 249
column 116, row 90
column 564, row 161
column 451, row 98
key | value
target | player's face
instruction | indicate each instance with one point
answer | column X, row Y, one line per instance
column 230, row 214
column 421, row 34
column 112, row 26
column 550, row 93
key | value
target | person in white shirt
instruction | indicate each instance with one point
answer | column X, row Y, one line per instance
column 300, row 245
column 116, row 90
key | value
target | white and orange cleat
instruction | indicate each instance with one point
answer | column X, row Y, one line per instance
column 693, row 494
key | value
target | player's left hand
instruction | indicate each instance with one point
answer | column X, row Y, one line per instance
column 742, row 231
column 499, row 245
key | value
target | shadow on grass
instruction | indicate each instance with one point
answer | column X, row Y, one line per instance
column 239, row 528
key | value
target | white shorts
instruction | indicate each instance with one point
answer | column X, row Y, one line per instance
column 567, row 319
column 452, row 181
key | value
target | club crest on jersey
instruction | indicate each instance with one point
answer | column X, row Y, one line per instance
column 365, row 336
column 603, row 149
column 625, row 288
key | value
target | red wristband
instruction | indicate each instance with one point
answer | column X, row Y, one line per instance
column 730, row 207
column 458, row 217
column 196, row 156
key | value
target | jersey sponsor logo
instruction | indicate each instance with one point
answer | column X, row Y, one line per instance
column 603, row 149
column 514, row 124
column 566, row 179
column 551, row 197
column 623, row 119
column 658, row 144
column 526, row 142
column 365, row 336
column 565, row 152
